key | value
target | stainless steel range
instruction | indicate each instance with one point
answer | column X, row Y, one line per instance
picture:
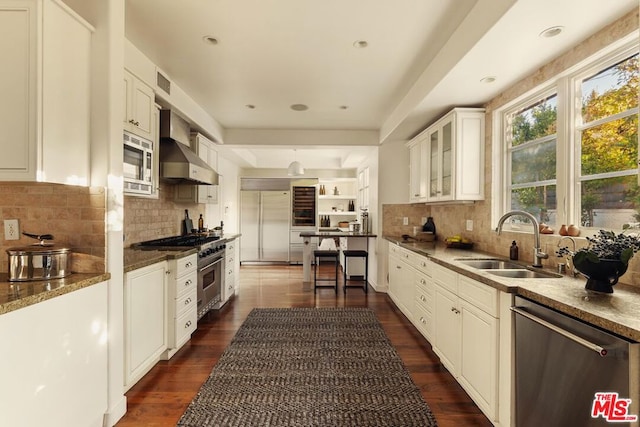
column 210, row 265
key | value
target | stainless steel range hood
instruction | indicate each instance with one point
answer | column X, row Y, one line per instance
column 178, row 163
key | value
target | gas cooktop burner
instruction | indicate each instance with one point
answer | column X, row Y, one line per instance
column 183, row 241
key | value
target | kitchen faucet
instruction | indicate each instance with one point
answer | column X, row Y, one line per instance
column 569, row 258
column 537, row 252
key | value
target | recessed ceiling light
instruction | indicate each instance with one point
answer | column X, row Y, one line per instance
column 488, row 79
column 250, row 106
column 299, row 107
column 344, row 107
column 210, row 40
column 552, row 31
column 360, row 44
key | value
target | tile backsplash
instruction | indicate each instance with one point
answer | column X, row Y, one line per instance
column 75, row 216
column 148, row 219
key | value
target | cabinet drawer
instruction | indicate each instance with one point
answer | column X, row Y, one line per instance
column 478, row 294
column 186, row 264
column 186, row 303
column 185, row 325
column 186, row 284
column 423, row 321
column 423, row 293
column 446, row 278
column 422, row 264
column 393, row 249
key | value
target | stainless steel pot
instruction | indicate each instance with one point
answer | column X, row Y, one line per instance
column 37, row 262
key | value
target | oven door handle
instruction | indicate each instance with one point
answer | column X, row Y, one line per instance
column 588, row 344
column 208, row 266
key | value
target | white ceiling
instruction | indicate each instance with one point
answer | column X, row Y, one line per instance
column 422, row 58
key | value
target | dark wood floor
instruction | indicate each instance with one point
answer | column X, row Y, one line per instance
column 160, row 398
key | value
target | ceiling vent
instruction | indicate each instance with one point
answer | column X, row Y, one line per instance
column 163, row 82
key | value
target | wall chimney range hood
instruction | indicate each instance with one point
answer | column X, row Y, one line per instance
column 178, row 163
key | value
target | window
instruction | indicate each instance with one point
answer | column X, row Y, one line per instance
column 570, row 150
column 607, row 185
column 531, row 147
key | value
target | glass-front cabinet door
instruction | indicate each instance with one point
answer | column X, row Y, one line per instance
column 446, row 165
column 434, row 182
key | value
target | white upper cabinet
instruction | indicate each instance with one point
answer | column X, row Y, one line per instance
column 45, row 106
column 447, row 159
column 139, row 107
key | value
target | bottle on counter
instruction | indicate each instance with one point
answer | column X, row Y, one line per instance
column 200, row 223
column 513, row 251
column 429, row 226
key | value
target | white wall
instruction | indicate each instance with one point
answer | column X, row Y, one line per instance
column 228, row 210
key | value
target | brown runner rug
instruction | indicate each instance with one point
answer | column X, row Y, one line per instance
column 309, row 367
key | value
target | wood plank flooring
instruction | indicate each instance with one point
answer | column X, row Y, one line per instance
column 160, row 398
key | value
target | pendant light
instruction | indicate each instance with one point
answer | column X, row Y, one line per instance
column 295, row 168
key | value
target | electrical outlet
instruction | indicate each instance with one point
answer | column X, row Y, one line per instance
column 11, row 229
column 405, row 220
column 469, row 225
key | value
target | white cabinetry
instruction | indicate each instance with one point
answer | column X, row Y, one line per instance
column 466, row 335
column 401, row 280
column 182, row 316
column 54, row 361
column 139, row 107
column 447, row 158
column 336, row 206
column 206, row 150
column 145, row 308
column 45, row 86
column 417, row 169
column 232, row 270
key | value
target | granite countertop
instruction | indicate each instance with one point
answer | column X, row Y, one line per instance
column 16, row 295
column 617, row 312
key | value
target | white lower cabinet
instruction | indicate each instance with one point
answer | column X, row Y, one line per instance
column 460, row 317
column 401, row 280
column 145, row 309
column 231, row 269
column 466, row 335
column 182, row 315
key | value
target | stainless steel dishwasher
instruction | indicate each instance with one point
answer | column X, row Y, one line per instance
column 569, row 373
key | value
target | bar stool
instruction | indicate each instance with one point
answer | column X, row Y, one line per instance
column 356, row 254
column 319, row 254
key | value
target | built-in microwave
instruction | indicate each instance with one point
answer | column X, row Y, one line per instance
column 138, row 164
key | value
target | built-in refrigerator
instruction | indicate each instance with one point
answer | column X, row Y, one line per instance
column 264, row 225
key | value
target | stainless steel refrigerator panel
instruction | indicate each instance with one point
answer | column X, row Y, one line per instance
column 264, row 224
column 275, row 226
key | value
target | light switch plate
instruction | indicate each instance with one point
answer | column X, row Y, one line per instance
column 469, row 225
column 405, row 220
column 11, row 229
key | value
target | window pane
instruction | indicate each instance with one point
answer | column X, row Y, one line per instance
column 611, row 91
column 610, row 147
column 610, row 202
column 535, row 121
column 539, row 201
column 534, row 164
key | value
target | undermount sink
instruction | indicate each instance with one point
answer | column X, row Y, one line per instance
column 491, row 264
column 504, row 268
column 524, row 273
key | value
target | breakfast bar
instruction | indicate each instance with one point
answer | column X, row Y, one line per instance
column 353, row 240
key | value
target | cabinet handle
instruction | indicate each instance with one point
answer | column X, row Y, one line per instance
column 187, row 301
column 188, row 264
column 455, row 310
column 398, row 267
column 423, row 281
column 188, row 283
column 422, row 298
column 422, row 320
column 168, row 272
column 186, row 325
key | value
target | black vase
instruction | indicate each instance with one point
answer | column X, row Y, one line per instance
column 603, row 275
